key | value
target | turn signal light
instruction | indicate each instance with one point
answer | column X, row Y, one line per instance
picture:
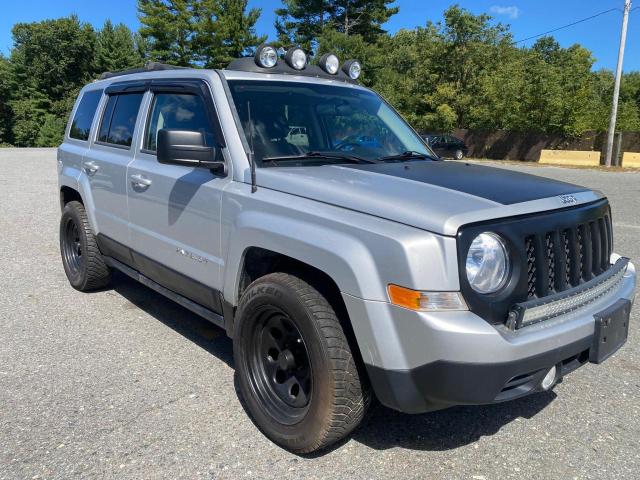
column 425, row 301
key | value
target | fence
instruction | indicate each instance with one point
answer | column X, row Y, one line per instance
column 506, row 145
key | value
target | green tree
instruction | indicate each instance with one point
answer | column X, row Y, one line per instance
column 225, row 31
column 207, row 33
column 168, row 28
column 304, row 21
column 116, row 48
column 51, row 131
column 5, row 96
column 50, row 61
column 53, row 56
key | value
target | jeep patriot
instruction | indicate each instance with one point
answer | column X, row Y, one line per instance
column 297, row 210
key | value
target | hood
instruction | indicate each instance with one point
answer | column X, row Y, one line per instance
column 432, row 195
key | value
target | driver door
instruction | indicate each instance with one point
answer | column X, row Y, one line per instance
column 175, row 210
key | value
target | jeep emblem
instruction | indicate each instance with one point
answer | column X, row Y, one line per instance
column 568, row 199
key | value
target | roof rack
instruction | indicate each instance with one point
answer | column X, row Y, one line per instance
column 148, row 67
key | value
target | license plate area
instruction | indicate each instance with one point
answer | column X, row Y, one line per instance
column 611, row 330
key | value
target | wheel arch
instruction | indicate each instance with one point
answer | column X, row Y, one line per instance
column 258, row 262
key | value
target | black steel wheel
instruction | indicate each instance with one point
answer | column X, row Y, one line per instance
column 81, row 258
column 71, row 246
column 279, row 366
column 296, row 374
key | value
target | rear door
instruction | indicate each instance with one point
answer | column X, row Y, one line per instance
column 175, row 210
column 106, row 162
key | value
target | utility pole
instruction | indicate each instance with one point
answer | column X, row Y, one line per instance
column 616, row 86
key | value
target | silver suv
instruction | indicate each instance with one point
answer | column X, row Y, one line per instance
column 349, row 266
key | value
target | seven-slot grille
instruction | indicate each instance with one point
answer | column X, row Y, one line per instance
column 561, row 259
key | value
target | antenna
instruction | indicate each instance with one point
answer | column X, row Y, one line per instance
column 252, row 162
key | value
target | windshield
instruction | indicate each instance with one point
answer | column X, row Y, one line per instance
column 287, row 121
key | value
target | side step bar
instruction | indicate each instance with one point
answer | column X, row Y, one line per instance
column 196, row 308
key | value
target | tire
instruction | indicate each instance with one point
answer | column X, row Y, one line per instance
column 459, row 155
column 83, row 263
column 330, row 399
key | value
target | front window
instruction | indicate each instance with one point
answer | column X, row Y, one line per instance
column 287, row 120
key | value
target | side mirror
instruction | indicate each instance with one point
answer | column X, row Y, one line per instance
column 187, row 148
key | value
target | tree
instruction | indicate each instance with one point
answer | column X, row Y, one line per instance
column 207, row 33
column 53, row 56
column 168, row 28
column 304, row 21
column 5, row 96
column 50, row 61
column 116, row 48
column 225, row 31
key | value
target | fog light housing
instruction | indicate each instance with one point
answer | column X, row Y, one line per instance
column 352, row 68
column 549, row 379
column 329, row 63
column 296, row 58
column 266, row 56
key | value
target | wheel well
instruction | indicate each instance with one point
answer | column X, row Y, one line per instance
column 68, row 194
column 259, row 262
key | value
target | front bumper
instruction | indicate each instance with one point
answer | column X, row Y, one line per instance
column 419, row 362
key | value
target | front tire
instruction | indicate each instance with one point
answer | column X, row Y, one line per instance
column 83, row 263
column 296, row 373
column 459, row 155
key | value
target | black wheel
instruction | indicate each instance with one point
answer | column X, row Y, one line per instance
column 296, row 374
column 81, row 258
column 459, row 155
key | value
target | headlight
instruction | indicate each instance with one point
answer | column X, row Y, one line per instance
column 329, row 63
column 296, row 58
column 266, row 56
column 352, row 68
column 487, row 263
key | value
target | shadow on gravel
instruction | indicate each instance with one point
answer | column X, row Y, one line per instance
column 445, row 429
column 384, row 428
column 191, row 326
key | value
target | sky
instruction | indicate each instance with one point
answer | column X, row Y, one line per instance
column 526, row 17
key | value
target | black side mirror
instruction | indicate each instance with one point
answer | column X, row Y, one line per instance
column 187, row 148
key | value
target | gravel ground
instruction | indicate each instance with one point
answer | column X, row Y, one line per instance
column 123, row 383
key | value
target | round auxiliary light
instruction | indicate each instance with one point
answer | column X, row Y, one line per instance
column 487, row 263
column 352, row 68
column 296, row 58
column 329, row 63
column 266, row 56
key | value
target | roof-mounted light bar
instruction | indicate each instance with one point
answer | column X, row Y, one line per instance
column 269, row 59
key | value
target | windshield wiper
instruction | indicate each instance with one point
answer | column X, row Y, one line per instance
column 313, row 155
column 408, row 155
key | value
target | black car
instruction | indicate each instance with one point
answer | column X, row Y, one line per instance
column 447, row 146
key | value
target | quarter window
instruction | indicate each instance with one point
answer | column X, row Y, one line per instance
column 119, row 119
column 177, row 112
column 82, row 120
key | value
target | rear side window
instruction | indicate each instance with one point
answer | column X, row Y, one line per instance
column 177, row 112
column 119, row 119
column 82, row 120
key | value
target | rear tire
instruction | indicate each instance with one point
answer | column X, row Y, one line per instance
column 296, row 373
column 83, row 263
column 459, row 155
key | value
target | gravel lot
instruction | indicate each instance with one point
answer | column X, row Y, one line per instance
column 123, row 383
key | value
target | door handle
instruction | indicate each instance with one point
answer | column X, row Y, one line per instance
column 91, row 167
column 140, row 181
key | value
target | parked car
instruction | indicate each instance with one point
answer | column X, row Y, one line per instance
column 447, row 146
column 352, row 267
